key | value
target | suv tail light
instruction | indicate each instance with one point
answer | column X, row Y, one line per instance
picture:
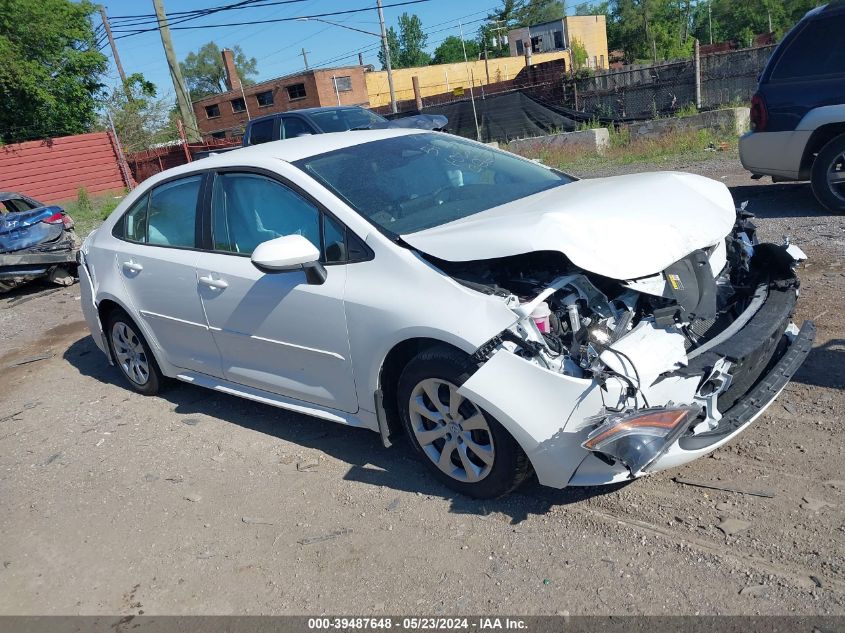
column 759, row 114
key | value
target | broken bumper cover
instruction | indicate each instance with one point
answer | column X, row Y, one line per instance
column 766, row 357
column 552, row 415
column 38, row 260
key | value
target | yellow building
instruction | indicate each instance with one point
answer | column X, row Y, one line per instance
column 457, row 77
column 558, row 35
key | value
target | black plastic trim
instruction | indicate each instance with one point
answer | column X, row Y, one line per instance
column 761, row 395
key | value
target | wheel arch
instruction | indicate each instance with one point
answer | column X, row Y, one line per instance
column 109, row 303
column 391, row 368
column 820, row 137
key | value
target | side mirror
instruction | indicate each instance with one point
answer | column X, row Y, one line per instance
column 290, row 252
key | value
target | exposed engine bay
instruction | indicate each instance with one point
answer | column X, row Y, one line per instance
column 633, row 337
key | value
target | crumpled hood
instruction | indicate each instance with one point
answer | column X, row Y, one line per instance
column 623, row 227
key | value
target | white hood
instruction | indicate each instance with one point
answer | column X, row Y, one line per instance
column 622, row 227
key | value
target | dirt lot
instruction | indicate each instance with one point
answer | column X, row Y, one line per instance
column 197, row 502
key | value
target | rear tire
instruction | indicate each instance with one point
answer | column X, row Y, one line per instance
column 463, row 446
column 828, row 177
column 132, row 354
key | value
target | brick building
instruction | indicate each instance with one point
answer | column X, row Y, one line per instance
column 558, row 35
column 225, row 115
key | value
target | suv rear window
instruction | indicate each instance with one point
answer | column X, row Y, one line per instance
column 816, row 50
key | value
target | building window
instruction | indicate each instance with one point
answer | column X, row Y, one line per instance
column 558, row 39
column 212, row 111
column 343, row 84
column 218, row 134
column 520, row 47
column 297, row 91
column 264, row 98
column 238, row 105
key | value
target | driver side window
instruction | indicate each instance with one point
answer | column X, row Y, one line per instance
column 248, row 209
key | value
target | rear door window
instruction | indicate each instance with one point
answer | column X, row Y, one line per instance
column 261, row 132
column 164, row 217
column 817, row 50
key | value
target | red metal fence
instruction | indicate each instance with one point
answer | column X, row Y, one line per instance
column 53, row 170
column 153, row 161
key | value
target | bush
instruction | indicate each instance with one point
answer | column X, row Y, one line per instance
column 83, row 201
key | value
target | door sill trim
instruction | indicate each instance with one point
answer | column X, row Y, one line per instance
column 274, row 400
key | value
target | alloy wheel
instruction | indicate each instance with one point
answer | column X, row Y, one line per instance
column 451, row 430
column 130, row 353
column 836, row 176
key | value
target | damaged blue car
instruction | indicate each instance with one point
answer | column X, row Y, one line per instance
column 36, row 241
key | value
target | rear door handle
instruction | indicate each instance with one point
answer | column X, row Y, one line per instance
column 133, row 266
column 214, row 283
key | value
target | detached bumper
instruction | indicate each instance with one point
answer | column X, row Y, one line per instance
column 746, row 409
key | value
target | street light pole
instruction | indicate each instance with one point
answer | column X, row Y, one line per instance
column 386, row 49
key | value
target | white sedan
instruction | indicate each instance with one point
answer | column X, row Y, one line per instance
column 506, row 317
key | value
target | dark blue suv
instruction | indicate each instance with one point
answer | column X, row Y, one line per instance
column 798, row 112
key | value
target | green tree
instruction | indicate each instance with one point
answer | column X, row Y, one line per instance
column 204, row 74
column 739, row 22
column 393, row 47
column 407, row 48
column 140, row 118
column 530, row 12
column 50, row 74
column 451, row 50
column 579, row 54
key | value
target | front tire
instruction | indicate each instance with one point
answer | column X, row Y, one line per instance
column 132, row 354
column 828, row 177
column 462, row 445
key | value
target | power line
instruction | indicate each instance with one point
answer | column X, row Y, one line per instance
column 274, row 20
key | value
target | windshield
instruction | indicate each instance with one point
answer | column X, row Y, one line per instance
column 409, row 183
column 344, row 119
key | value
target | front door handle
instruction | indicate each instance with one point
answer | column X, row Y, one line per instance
column 133, row 266
column 218, row 284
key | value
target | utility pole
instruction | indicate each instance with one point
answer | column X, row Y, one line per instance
column 304, row 54
column 472, row 81
column 710, row 18
column 386, row 48
column 182, row 97
column 117, row 63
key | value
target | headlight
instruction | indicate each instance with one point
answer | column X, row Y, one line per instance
column 638, row 438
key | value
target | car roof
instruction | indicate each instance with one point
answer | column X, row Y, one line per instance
column 309, row 111
column 288, row 150
column 11, row 195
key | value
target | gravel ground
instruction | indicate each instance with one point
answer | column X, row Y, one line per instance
column 197, row 502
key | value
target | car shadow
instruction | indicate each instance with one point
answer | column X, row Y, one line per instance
column 779, row 200
column 369, row 462
column 825, row 366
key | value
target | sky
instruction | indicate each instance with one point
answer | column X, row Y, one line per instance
column 276, row 46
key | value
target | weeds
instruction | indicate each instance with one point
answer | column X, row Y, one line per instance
column 623, row 149
column 88, row 212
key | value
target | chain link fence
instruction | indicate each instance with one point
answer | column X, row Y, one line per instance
column 661, row 89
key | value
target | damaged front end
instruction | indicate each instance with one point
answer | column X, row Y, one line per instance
column 602, row 380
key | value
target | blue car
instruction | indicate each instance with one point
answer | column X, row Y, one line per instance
column 282, row 125
column 35, row 241
column 798, row 112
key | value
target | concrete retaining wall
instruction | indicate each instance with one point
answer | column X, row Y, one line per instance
column 730, row 121
column 588, row 141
